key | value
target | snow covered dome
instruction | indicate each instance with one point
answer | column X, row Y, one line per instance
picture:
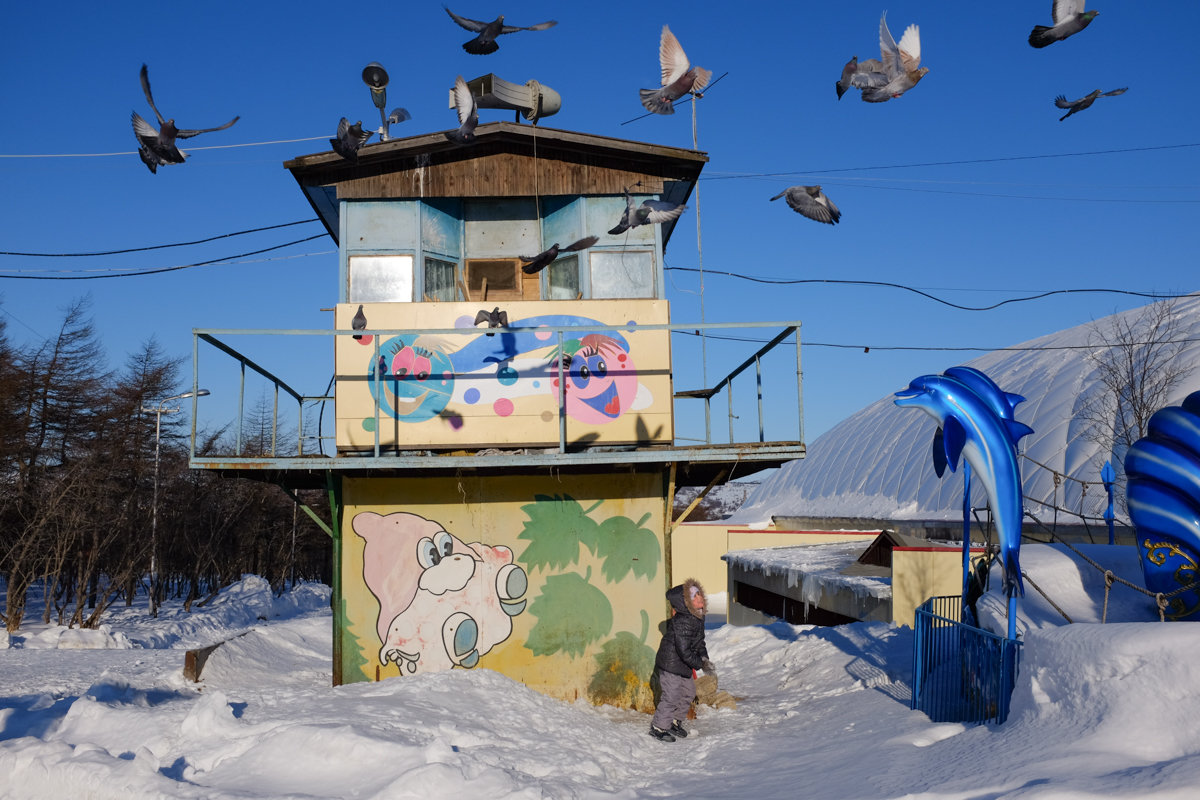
column 876, row 464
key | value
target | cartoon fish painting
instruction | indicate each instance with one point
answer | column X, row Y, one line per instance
column 976, row 424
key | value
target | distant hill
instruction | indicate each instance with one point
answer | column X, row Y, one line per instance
column 719, row 503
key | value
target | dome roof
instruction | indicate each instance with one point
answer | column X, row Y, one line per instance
column 877, row 463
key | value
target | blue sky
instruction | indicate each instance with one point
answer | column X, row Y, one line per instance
column 968, row 187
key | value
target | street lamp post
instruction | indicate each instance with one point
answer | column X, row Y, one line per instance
column 158, row 411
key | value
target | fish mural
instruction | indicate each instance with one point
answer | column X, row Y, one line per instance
column 976, row 423
column 443, row 603
column 1162, row 495
column 417, row 376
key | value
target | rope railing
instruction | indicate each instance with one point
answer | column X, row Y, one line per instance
column 1160, row 598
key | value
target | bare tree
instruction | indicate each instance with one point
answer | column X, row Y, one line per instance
column 1137, row 365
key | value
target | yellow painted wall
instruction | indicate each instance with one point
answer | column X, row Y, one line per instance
column 500, row 390
column 589, row 546
column 697, row 547
column 919, row 573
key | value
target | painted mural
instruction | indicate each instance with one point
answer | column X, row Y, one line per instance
column 442, row 603
column 500, row 386
column 416, row 377
column 551, row 590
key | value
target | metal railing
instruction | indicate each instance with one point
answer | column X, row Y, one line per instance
column 726, row 383
column 553, row 335
column 960, row 673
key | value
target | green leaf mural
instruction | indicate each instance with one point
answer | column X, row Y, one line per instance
column 556, row 527
column 625, row 545
column 571, row 614
column 625, row 665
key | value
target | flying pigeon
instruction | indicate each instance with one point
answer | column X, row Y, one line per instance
column 494, row 318
column 1083, row 102
column 359, row 322
column 812, row 203
column 650, row 212
column 678, row 76
column 468, row 114
column 485, row 42
column 349, row 139
column 898, row 70
column 1069, row 19
column 541, row 260
column 157, row 147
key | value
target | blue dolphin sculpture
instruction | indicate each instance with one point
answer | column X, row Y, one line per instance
column 1163, row 498
column 975, row 421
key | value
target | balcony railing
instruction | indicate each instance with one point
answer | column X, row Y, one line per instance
column 295, row 434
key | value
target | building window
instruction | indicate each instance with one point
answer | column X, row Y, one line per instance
column 621, row 274
column 441, row 280
column 381, row 279
column 494, row 279
column 564, row 278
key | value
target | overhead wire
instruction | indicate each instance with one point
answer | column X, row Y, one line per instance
column 158, row 270
column 134, row 152
column 157, row 246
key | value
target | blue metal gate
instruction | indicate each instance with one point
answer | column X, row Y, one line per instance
column 960, row 673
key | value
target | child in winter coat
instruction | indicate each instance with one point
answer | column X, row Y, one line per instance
column 680, row 654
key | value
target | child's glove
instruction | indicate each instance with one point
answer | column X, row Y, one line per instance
column 708, row 668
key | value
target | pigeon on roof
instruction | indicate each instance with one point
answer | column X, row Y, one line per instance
column 679, row 77
column 349, row 139
column 812, row 203
column 650, row 212
column 543, row 259
column 157, row 147
column 1069, row 19
column 485, row 42
column 468, row 114
column 898, row 69
column 1084, row 102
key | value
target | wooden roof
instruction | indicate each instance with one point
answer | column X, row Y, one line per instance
column 506, row 160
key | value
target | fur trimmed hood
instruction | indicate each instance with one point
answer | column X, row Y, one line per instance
column 679, row 597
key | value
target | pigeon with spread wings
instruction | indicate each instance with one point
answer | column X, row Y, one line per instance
column 650, row 212
column 485, row 42
column 679, row 77
column 1069, row 19
column 543, row 259
column 1084, row 102
column 157, row 147
column 898, row 68
column 812, row 203
column 468, row 113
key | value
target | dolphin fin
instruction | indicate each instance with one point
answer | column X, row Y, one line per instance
column 954, row 439
column 1014, row 400
column 1017, row 430
column 1012, row 576
column 939, row 452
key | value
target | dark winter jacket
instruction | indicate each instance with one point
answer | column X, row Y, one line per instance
column 682, row 649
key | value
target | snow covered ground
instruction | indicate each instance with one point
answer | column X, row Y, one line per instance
column 1099, row 711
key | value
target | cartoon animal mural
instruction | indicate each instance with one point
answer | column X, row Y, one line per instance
column 976, row 423
column 1163, row 498
column 442, row 603
column 417, row 376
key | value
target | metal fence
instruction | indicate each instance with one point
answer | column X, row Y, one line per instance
column 960, row 673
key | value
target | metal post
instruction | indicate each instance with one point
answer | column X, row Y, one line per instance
column 799, row 386
column 562, row 398
column 729, row 401
column 966, row 548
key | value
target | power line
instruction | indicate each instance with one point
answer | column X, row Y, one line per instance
column 135, row 273
column 134, row 152
column 935, row 298
column 938, row 349
column 953, row 163
column 156, row 246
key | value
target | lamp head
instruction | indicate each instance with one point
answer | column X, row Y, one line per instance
column 375, row 76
